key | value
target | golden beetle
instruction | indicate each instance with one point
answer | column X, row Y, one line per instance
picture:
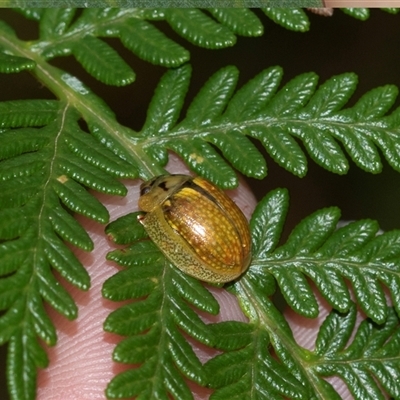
column 197, row 227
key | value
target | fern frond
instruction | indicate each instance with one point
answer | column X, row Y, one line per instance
column 153, row 323
column 40, row 177
column 277, row 118
column 62, row 33
column 250, row 370
column 317, row 251
column 247, row 367
column 372, row 357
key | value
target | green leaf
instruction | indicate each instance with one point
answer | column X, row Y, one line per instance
column 29, row 140
column 24, row 342
column 349, row 239
column 294, row 19
column 212, row 98
column 238, row 372
column 359, row 13
column 14, row 223
column 292, row 96
column 11, row 194
column 366, row 360
column 252, row 97
column 250, row 163
column 140, row 253
column 63, row 260
column 331, row 96
column 21, row 113
column 102, row 61
column 241, row 21
column 296, row 290
column 205, row 161
column 10, row 64
column 90, row 176
column 150, row 44
column 310, row 234
column 91, row 151
column 55, row 294
column 193, row 292
column 31, row 13
column 232, row 335
column 44, row 161
column 299, row 111
column 62, row 32
column 76, row 198
column 391, row 10
column 282, row 148
column 326, row 257
column 316, row 251
column 55, row 22
column 335, row 333
column 376, row 102
column 22, row 166
column 42, row 323
column 132, row 283
column 199, row 29
column 126, row 230
column 267, row 222
column 12, row 255
column 164, row 109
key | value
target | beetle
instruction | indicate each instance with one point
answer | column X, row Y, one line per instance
column 197, row 227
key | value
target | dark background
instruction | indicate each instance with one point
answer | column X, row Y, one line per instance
column 333, row 46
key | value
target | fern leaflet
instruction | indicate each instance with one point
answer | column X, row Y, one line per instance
column 372, row 355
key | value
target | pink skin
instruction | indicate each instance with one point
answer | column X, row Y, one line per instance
column 362, row 3
column 80, row 364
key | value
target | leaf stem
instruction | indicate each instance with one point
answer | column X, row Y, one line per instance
column 264, row 315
